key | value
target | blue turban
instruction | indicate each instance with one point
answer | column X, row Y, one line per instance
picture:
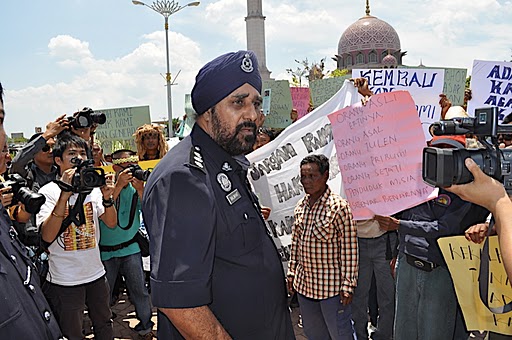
column 221, row 76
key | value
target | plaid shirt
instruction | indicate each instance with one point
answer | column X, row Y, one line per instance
column 324, row 258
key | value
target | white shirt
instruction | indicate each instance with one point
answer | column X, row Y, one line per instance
column 74, row 256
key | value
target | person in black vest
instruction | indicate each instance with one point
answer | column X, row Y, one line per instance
column 208, row 243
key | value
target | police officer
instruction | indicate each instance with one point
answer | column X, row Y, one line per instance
column 209, row 246
column 421, row 264
column 24, row 312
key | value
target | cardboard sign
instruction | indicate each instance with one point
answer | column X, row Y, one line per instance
column 491, row 85
column 280, row 103
column 463, row 260
column 120, row 126
column 379, row 148
column 323, row 89
column 300, row 100
column 424, row 85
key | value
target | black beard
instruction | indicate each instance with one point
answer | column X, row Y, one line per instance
column 233, row 143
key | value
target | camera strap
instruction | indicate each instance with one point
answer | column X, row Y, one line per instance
column 135, row 198
column 76, row 215
column 483, row 277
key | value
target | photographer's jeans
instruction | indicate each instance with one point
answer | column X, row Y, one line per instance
column 426, row 306
column 131, row 268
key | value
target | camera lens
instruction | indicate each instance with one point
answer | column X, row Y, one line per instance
column 98, row 118
column 32, row 200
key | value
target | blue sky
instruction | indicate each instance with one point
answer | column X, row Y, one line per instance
column 58, row 56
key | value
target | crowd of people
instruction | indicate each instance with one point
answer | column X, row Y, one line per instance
column 215, row 270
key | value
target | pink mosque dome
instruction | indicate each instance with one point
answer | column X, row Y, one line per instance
column 367, row 42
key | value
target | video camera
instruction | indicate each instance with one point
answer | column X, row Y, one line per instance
column 86, row 176
column 138, row 172
column 86, row 118
column 445, row 167
column 21, row 193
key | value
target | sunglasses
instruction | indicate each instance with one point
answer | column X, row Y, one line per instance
column 46, row 148
column 506, row 137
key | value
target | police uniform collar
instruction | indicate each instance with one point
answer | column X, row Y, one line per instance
column 212, row 150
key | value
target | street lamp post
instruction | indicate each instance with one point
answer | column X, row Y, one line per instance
column 167, row 8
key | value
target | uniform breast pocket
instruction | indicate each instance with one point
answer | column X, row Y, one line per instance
column 323, row 230
column 244, row 232
column 9, row 301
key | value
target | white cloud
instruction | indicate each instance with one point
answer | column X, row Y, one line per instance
column 67, row 47
column 130, row 80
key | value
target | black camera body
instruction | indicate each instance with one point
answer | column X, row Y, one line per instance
column 86, row 118
column 445, row 167
column 86, row 176
column 138, row 172
column 21, row 193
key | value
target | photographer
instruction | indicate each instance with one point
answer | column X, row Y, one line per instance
column 120, row 252
column 34, row 162
column 76, row 275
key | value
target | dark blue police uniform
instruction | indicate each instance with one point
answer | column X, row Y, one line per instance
column 446, row 215
column 24, row 311
column 425, row 294
column 209, row 244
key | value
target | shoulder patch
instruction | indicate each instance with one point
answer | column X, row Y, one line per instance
column 196, row 158
column 443, row 200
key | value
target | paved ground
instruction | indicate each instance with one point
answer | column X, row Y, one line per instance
column 125, row 321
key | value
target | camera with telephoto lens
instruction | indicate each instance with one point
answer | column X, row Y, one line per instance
column 86, row 176
column 21, row 193
column 86, row 118
column 445, row 167
column 138, row 172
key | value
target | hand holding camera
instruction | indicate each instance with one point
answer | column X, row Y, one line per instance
column 6, row 196
column 108, row 189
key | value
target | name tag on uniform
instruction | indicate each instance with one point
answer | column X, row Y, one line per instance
column 233, row 196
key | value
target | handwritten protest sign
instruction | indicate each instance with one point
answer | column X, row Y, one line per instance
column 280, row 103
column 323, row 89
column 491, row 85
column 120, row 125
column 454, row 83
column 379, row 148
column 463, row 260
column 300, row 100
column 424, row 85
column 275, row 167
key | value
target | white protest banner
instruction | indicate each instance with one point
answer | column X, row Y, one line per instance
column 120, row 126
column 379, row 147
column 280, row 103
column 424, row 85
column 491, row 85
column 275, row 167
column 463, row 260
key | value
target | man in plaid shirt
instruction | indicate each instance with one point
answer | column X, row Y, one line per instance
column 324, row 259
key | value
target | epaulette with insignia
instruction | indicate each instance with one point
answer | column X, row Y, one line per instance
column 196, row 158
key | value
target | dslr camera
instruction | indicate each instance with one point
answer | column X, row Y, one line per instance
column 21, row 193
column 445, row 167
column 86, row 176
column 86, row 118
column 138, row 172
